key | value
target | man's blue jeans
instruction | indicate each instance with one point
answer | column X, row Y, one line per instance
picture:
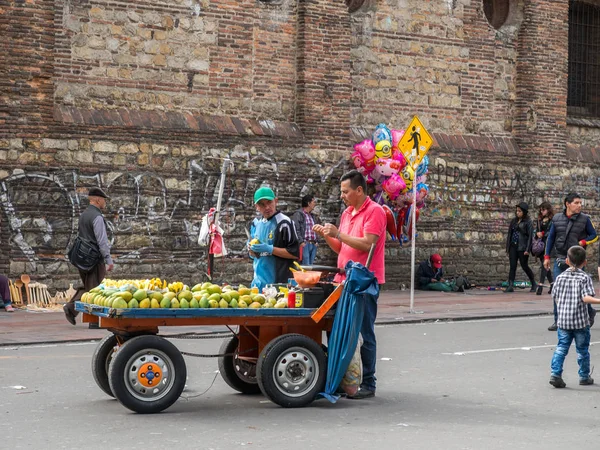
column 582, row 345
column 368, row 351
column 309, row 252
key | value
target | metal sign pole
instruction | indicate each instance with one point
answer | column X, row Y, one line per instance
column 211, row 257
column 413, row 220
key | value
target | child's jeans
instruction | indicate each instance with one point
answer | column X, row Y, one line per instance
column 582, row 345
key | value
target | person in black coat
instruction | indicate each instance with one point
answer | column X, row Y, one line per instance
column 518, row 245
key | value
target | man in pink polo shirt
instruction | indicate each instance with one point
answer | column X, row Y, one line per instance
column 363, row 223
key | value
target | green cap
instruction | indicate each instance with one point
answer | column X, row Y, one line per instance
column 263, row 193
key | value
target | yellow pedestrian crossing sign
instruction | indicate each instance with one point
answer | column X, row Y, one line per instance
column 415, row 143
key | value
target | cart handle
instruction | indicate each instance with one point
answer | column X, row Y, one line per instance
column 370, row 257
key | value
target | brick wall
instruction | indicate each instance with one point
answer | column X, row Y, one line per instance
column 146, row 100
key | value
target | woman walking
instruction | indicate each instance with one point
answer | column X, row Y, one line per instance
column 542, row 227
column 518, row 245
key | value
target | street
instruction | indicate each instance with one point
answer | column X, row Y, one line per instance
column 453, row 385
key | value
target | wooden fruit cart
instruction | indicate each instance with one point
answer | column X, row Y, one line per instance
column 277, row 352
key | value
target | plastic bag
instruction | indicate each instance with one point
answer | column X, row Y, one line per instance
column 204, row 236
column 353, row 376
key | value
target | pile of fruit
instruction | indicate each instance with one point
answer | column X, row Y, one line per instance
column 160, row 294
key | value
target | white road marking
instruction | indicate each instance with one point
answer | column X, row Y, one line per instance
column 507, row 349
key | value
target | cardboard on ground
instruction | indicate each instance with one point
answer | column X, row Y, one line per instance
column 415, row 134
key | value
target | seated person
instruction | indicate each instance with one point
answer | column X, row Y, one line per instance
column 430, row 275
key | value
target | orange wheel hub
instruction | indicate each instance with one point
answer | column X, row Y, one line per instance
column 149, row 374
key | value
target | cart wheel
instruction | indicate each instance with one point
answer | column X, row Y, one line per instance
column 291, row 370
column 102, row 358
column 237, row 373
column 147, row 374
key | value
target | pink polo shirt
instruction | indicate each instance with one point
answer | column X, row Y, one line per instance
column 370, row 218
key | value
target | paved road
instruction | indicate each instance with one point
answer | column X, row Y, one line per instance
column 451, row 385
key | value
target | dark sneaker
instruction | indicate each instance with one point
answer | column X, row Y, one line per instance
column 557, row 382
column 69, row 314
column 362, row 393
column 586, row 382
column 550, row 290
column 534, row 287
column 553, row 327
column 509, row 289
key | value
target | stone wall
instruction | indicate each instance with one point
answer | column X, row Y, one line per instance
column 146, row 98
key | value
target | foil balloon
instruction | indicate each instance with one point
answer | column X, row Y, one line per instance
column 383, row 149
column 399, row 156
column 422, row 191
column 387, row 167
column 390, row 222
column 408, row 174
column 393, row 186
column 423, row 167
column 382, row 133
column 358, row 160
column 366, row 148
column 396, row 136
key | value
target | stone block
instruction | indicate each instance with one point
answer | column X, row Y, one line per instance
column 129, row 148
column 105, row 146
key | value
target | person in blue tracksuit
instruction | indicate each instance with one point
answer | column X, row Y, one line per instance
column 278, row 247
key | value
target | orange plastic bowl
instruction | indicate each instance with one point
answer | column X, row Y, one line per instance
column 307, row 279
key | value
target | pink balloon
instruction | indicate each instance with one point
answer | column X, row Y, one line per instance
column 393, row 186
column 357, row 159
column 366, row 149
column 368, row 166
column 387, row 167
column 396, row 136
column 397, row 155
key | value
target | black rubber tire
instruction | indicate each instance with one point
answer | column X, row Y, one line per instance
column 310, row 359
column 101, row 361
column 145, row 350
column 229, row 368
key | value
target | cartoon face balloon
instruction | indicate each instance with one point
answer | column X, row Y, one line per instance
column 357, row 159
column 422, row 191
column 408, row 174
column 366, row 149
column 382, row 133
column 387, row 167
column 383, row 149
column 393, row 186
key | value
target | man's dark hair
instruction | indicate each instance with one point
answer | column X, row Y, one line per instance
column 356, row 179
column 576, row 255
column 571, row 197
column 307, row 199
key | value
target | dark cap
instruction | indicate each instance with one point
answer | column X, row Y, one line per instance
column 97, row 192
column 436, row 260
column 524, row 206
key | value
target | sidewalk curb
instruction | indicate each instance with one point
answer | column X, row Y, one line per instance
column 460, row 319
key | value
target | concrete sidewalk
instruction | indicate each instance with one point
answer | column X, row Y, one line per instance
column 27, row 327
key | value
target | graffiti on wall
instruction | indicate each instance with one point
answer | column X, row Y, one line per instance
column 150, row 215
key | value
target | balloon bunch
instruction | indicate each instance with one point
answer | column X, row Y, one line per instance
column 386, row 167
